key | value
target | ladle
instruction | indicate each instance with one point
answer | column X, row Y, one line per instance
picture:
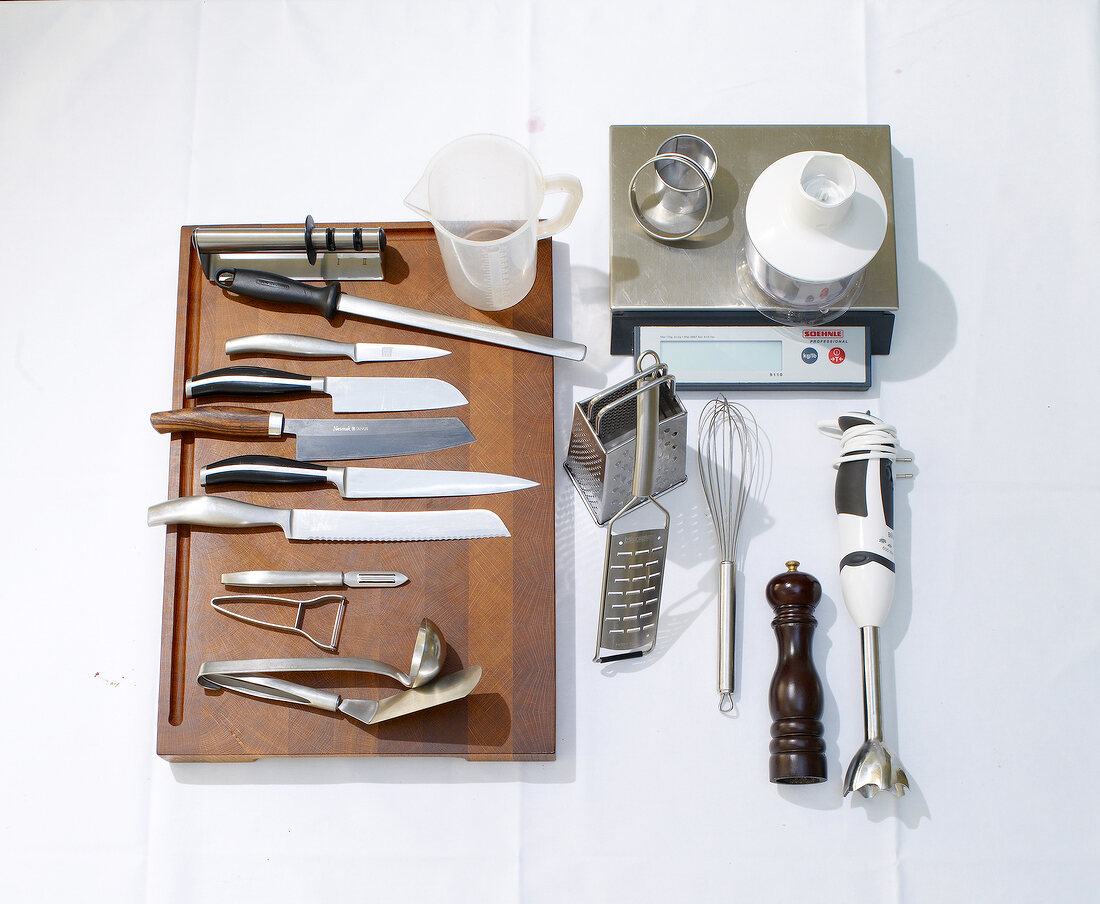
column 427, row 660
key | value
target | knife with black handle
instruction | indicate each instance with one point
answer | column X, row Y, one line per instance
column 363, row 394
column 330, row 301
column 357, row 483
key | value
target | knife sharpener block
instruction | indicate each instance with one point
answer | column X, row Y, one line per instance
column 309, row 252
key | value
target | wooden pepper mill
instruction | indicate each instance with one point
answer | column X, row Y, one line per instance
column 795, row 698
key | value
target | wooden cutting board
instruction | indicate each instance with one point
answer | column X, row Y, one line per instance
column 493, row 599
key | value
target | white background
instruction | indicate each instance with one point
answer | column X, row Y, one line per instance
column 120, row 122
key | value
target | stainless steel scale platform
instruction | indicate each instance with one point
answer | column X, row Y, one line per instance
column 693, row 283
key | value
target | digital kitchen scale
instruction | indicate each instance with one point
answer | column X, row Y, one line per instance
column 687, row 301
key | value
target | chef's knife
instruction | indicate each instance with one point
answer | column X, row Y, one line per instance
column 312, row 347
column 323, row 439
column 245, row 677
column 321, row 524
column 348, row 393
column 314, row 579
column 330, row 301
column 358, row 483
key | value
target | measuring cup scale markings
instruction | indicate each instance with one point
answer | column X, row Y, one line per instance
column 483, row 193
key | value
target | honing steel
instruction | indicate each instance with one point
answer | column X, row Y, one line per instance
column 865, row 510
column 324, row 439
column 330, row 301
column 251, row 677
column 348, row 393
column 358, row 483
column 321, row 524
column 312, row 347
column 314, row 579
column 795, row 698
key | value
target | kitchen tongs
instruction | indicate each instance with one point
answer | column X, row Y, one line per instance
column 253, row 677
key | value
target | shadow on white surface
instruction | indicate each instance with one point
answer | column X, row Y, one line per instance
column 926, row 327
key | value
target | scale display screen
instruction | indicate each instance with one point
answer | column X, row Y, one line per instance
column 762, row 357
column 722, row 354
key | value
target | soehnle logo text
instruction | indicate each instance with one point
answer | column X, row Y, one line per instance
column 823, row 334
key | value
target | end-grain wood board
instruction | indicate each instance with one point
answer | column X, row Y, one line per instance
column 493, row 599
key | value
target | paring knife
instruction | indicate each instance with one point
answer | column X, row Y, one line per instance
column 322, row 524
column 322, row 439
column 314, row 579
column 330, row 301
column 348, row 393
column 248, row 676
column 312, row 347
column 358, row 483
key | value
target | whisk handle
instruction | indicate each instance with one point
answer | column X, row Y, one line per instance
column 645, row 447
column 727, row 618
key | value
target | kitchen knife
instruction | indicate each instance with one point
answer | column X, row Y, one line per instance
column 246, row 677
column 330, row 301
column 348, row 393
column 358, row 483
column 312, row 347
column 314, row 579
column 324, row 439
column 321, row 524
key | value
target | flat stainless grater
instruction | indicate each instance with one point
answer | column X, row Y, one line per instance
column 637, row 545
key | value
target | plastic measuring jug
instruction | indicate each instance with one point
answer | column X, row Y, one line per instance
column 483, row 193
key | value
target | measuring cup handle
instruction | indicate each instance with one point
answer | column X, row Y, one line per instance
column 568, row 185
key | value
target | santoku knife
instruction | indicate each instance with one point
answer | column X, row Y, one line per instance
column 348, row 393
column 323, row 439
column 330, row 301
column 312, row 347
column 321, row 524
column 358, row 483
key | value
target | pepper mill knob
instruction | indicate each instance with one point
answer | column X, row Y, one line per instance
column 796, row 699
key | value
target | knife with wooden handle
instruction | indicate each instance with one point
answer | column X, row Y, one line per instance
column 322, row 439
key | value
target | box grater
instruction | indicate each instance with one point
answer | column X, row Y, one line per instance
column 600, row 461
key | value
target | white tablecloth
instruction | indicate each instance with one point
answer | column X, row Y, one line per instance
column 120, row 122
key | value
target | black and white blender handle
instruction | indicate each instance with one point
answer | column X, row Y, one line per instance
column 864, row 500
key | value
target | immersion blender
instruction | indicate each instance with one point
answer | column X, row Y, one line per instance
column 865, row 509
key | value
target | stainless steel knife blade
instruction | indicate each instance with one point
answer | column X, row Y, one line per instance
column 352, row 394
column 349, row 440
